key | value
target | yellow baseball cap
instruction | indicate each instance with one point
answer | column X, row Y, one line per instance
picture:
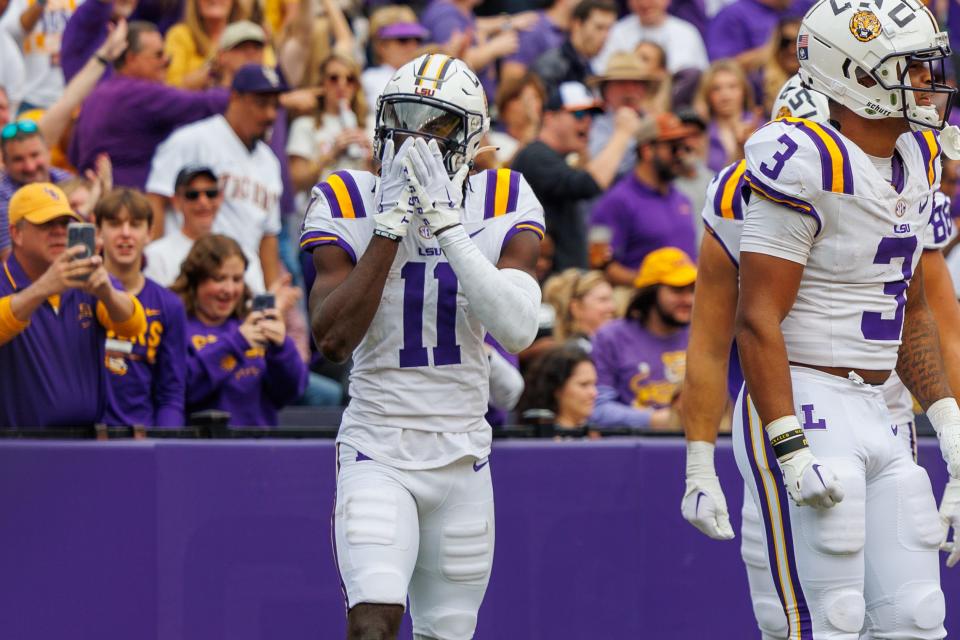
column 669, row 266
column 38, row 203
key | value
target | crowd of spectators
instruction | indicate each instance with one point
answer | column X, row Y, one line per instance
column 191, row 133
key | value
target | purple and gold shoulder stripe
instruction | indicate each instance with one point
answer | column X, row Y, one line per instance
column 779, row 197
column 310, row 240
column 929, row 149
column 502, row 193
column 526, row 225
column 835, row 167
column 727, row 202
column 343, row 196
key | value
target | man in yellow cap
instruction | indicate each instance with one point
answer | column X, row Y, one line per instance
column 55, row 309
column 641, row 358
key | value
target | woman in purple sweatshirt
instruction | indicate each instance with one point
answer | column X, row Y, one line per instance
column 238, row 360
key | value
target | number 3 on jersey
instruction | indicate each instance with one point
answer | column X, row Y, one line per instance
column 872, row 324
column 447, row 351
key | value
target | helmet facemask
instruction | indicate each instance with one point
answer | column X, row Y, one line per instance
column 403, row 115
column 893, row 75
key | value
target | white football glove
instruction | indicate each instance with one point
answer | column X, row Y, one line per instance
column 944, row 415
column 703, row 504
column 807, row 481
column 393, row 211
column 435, row 196
column 950, row 518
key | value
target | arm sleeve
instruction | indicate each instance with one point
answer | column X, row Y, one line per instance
column 506, row 383
column 169, row 385
column 286, row 376
column 610, row 412
column 775, row 230
column 10, row 327
column 85, row 32
column 130, row 328
column 206, row 368
column 506, row 301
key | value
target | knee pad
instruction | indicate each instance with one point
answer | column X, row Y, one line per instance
column 445, row 624
column 466, row 551
column 844, row 610
column 771, row 619
column 920, row 527
column 920, row 610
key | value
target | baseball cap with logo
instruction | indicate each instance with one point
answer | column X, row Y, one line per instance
column 254, row 78
column 241, row 31
column 571, row 96
column 38, row 203
column 669, row 266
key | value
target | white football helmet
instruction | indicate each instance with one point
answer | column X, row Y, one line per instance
column 859, row 54
column 434, row 96
column 797, row 101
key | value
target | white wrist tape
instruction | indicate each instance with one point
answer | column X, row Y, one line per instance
column 786, row 437
column 700, row 459
column 943, row 412
column 505, row 300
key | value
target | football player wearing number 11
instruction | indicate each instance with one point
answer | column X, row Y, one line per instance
column 414, row 266
column 831, row 301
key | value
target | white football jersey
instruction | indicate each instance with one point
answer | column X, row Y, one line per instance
column 250, row 181
column 850, row 306
column 422, row 364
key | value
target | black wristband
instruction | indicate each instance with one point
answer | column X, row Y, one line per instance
column 387, row 235
column 102, row 60
column 787, row 443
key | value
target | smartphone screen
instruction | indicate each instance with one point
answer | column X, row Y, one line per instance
column 82, row 233
column 264, row 301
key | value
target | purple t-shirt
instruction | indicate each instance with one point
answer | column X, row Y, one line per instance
column 543, row 36
column 442, row 19
column 128, row 118
column 643, row 220
column 644, row 369
column 224, row 372
column 146, row 376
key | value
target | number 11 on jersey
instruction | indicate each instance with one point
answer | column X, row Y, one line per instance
column 447, row 351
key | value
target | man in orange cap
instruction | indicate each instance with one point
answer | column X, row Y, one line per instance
column 641, row 358
column 55, row 308
column 644, row 210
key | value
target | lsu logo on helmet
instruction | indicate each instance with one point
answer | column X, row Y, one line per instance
column 865, row 26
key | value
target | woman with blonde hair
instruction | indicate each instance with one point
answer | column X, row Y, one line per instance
column 782, row 62
column 192, row 43
column 238, row 359
column 725, row 99
column 307, row 39
column 338, row 135
column 583, row 302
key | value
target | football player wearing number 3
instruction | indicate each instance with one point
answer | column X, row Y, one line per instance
column 414, row 266
column 831, row 300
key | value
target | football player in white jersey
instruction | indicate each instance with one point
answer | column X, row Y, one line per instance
column 704, row 504
column 827, row 254
column 414, row 266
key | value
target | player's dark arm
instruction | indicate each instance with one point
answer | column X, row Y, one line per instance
column 711, row 334
column 768, row 289
column 919, row 363
column 943, row 304
column 345, row 298
column 521, row 253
